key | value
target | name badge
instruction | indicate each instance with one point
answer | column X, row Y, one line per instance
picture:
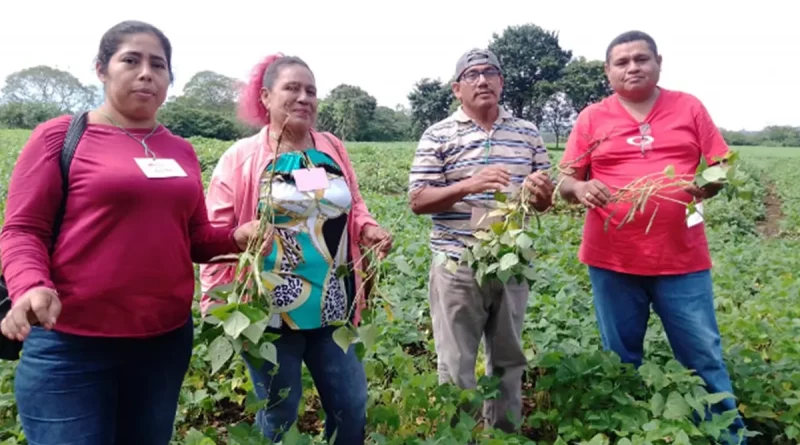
column 160, row 168
column 310, row 179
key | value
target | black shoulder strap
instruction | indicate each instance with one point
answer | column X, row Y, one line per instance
column 77, row 126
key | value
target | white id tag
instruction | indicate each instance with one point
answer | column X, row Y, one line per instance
column 160, row 168
column 696, row 217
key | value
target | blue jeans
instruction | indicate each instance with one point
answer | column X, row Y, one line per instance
column 75, row 390
column 685, row 305
column 339, row 378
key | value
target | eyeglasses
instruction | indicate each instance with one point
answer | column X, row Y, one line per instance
column 473, row 76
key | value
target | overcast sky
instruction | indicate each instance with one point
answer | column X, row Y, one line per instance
column 738, row 61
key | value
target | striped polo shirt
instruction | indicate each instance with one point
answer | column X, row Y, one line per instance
column 455, row 149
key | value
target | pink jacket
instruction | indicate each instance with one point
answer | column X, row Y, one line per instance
column 233, row 194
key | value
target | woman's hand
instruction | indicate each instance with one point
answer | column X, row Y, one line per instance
column 39, row 305
column 248, row 231
column 377, row 238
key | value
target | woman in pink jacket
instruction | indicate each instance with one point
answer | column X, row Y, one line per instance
column 320, row 224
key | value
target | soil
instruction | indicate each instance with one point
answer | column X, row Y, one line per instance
column 769, row 227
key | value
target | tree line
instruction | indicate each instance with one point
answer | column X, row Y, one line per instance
column 544, row 83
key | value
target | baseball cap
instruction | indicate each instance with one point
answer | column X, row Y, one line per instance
column 474, row 57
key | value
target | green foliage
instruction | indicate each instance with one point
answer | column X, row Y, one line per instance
column 47, row 85
column 187, row 121
column 573, row 391
column 532, row 60
column 347, row 112
column 430, row 102
column 28, row 115
column 770, row 136
column 584, row 82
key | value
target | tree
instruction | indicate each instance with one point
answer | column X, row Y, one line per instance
column 27, row 114
column 212, row 91
column 529, row 57
column 584, row 82
column 430, row 102
column 558, row 115
column 46, row 85
column 187, row 121
column 347, row 112
column 388, row 125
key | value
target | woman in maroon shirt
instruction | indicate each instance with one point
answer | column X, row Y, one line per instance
column 111, row 306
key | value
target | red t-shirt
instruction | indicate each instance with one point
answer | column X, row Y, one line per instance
column 681, row 131
column 123, row 262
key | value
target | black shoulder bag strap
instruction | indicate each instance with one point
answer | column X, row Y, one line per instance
column 10, row 349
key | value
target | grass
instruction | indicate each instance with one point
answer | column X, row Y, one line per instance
column 574, row 392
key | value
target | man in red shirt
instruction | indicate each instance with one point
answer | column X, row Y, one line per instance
column 638, row 131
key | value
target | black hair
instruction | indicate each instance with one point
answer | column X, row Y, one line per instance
column 112, row 39
column 632, row 36
column 275, row 67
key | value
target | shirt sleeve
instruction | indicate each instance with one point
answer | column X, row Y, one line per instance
column 220, row 207
column 209, row 240
column 576, row 153
column 712, row 144
column 427, row 167
column 34, row 196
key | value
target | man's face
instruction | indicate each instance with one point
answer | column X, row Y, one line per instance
column 479, row 87
column 633, row 70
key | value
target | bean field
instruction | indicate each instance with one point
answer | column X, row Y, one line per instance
column 574, row 393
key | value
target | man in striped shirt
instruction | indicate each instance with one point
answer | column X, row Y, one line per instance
column 459, row 164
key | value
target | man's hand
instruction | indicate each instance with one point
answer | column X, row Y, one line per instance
column 38, row 305
column 541, row 188
column 706, row 192
column 592, row 193
column 489, row 178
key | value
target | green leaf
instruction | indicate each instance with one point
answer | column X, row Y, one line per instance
column 482, row 235
column 368, row 334
column 269, row 352
column 681, row 438
column 255, row 331
column 508, row 261
column 530, row 273
column 657, row 404
column 676, row 407
column 439, row 258
column 221, row 292
column 344, row 336
column 669, row 171
column 235, row 324
column 715, row 173
column 524, row 241
column 402, row 265
column 271, row 279
column 219, row 351
column 500, row 196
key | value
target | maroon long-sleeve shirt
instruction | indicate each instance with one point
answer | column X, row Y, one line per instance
column 122, row 263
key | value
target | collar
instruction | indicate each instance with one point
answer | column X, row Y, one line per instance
column 461, row 116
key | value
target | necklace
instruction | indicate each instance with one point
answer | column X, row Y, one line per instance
column 147, row 150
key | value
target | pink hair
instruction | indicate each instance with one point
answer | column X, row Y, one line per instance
column 251, row 110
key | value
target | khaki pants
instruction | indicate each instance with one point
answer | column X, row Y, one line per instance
column 463, row 312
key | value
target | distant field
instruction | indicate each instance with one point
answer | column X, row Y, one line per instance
column 574, row 393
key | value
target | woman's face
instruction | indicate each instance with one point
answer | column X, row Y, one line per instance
column 137, row 77
column 292, row 100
